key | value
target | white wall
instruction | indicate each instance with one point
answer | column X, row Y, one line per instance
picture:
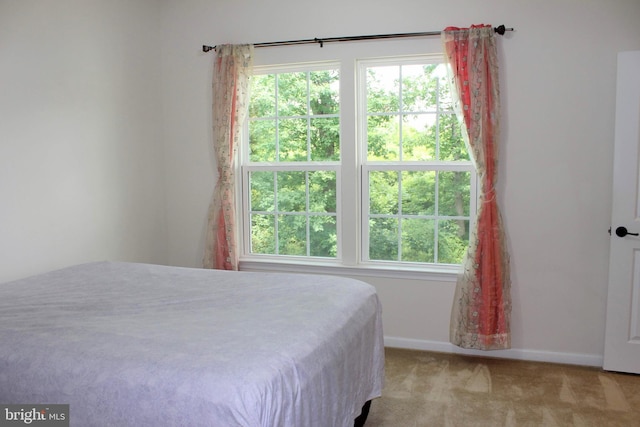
column 558, row 81
column 81, row 161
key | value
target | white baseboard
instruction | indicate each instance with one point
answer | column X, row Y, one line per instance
column 516, row 354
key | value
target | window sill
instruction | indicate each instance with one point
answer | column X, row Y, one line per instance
column 443, row 273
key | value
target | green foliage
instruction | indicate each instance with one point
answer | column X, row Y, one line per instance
column 453, row 239
column 263, row 234
column 418, row 193
column 418, row 240
column 383, row 192
column 287, row 125
column 280, row 213
column 323, row 236
column 383, row 239
column 414, row 215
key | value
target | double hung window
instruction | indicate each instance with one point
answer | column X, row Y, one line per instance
column 291, row 176
column 364, row 169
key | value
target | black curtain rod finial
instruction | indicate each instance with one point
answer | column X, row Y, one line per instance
column 206, row 48
column 501, row 29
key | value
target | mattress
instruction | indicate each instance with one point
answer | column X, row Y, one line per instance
column 146, row 345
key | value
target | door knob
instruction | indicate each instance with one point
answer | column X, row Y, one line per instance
column 622, row 231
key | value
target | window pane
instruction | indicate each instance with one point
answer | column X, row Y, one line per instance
column 292, row 94
column 325, row 139
column 418, row 88
column 292, row 192
column 323, row 236
column 452, row 146
column 263, row 234
column 324, row 92
column 263, row 96
column 383, row 138
column 444, row 82
column 417, row 240
column 383, row 192
column 383, row 89
column 292, row 235
column 453, row 240
column 454, row 193
column 262, row 140
column 419, row 137
column 262, row 197
column 418, row 193
column 322, row 191
column 293, row 140
column 383, row 239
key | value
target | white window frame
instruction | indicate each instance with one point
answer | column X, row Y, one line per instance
column 351, row 170
column 435, row 165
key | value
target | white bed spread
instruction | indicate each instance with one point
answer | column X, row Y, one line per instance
column 146, row 345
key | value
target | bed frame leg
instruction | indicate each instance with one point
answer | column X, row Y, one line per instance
column 359, row 422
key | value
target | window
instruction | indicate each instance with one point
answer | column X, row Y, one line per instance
column 293, row 164
column 416, row 171
column 370, row 171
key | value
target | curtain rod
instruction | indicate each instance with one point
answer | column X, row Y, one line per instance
column 501, row 29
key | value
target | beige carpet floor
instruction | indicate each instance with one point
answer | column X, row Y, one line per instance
column 437, row 389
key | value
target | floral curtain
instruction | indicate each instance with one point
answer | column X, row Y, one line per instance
column 480, row 317
column 232, row 69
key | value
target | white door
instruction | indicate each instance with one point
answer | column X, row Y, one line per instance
column 622, row 339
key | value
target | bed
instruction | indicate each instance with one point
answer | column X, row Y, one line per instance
column 128, row 344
